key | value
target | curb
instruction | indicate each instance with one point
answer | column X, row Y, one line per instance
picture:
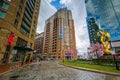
column 92, row 70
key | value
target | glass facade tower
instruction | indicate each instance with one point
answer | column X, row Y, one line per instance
column 107, row 13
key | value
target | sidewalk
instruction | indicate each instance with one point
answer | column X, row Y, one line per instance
column 92, row 70
column 12, row 66
column 4, row 68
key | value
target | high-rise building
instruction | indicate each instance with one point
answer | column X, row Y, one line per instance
column 106, row 12
column 59, row 35
column 38, row 45
column 93, row 30
column 18, row 21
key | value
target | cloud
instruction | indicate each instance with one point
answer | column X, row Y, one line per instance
column 65, row 1
column 79, row 15
column 46, row 10
column 51, row 1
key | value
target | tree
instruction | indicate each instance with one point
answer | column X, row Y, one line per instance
column 71, row 53
column 97, row 48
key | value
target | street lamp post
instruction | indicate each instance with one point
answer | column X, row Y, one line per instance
column 116, row 64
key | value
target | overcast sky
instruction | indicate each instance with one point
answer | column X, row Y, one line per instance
column 49, row 7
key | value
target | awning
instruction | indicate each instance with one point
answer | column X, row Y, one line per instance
column 23, row 48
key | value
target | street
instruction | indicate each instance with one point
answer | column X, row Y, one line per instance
column 51, row 70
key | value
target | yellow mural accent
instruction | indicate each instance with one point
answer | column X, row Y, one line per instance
column 104, row 37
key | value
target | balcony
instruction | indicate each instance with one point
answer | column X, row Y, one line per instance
column 28, row 16
column 28, row 9
column 25, row 26
column 22, row 30
column 27, row 21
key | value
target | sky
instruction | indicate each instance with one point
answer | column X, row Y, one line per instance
column 49, row 7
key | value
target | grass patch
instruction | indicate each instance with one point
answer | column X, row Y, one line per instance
column 91, row 66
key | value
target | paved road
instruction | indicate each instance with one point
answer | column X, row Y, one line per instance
column 51, row 70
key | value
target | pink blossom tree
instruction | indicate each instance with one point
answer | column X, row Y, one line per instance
column 71, row 52
column 97, row 48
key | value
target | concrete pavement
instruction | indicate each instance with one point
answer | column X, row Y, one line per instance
column 51, row 70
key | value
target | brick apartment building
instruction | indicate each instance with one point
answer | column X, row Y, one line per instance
column 18, row 18
column 59, row 35
column 38, row 45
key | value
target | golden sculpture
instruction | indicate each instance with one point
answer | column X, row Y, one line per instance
column 104, row 40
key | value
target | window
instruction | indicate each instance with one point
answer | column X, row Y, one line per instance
column 22, row 30
column 1, row 3
column 37, row 8
column 30, row 45
column 4, row 5
column 2, row 14
column 18, row 16
column 19, row 10
column 21, row 1
column 15, row 23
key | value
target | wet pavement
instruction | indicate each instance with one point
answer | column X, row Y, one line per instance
column 51, row 70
